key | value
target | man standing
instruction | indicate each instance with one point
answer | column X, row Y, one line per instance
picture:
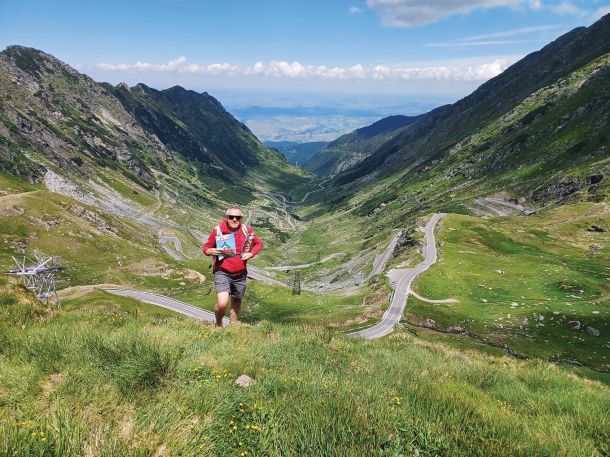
column 240, row 244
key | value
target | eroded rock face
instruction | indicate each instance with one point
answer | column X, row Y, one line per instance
column 11, row 211
column 51, row 109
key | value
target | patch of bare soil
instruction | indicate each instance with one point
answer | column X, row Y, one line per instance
column 373, row 307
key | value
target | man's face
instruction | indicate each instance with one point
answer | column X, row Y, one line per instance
column 233, row 218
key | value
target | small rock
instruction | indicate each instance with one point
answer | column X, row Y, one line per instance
column 597, row 228
column 244, row 381
column 592, row 331
column 429, row 323
column 455, row 329
column 500, row 272
column 574, row 325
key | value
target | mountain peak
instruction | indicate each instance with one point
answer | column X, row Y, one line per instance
column 123, row 86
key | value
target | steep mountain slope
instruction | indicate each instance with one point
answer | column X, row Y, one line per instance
column 126, row 149
column 538, row 143
column 195, row 125
column 51, row 115
column 350, row 149
column 51, row 111
column 438, row 131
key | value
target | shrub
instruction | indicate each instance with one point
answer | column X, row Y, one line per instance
column 133, row 363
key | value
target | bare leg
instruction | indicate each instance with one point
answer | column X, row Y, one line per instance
column 222, row 299
column 235, row 308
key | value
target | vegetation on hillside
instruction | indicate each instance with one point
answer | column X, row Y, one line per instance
column 539, row 284
column 132, row 380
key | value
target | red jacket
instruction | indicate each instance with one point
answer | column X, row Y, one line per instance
column 232, row 265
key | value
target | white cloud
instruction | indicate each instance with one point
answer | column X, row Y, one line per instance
column 506, row 33
column 409, row 13
column 568, row 9
column 458, row 44
column 355, row 10
column 295, row 70
column 490, row 39
column 172, row 65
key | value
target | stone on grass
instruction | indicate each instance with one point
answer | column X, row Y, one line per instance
column 592, row 331
column 574, row 325
column 244, row 381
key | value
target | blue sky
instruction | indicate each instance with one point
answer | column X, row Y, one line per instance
column 347, row 52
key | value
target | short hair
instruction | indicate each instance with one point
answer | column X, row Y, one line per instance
column 234, row 207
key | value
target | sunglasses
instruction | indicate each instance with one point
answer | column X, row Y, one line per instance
column 235, row 218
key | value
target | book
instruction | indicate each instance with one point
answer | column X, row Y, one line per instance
column 227, row 244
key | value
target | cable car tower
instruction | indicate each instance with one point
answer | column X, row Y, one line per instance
column 38, row 275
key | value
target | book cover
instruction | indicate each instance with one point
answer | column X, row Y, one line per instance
column 227, row 244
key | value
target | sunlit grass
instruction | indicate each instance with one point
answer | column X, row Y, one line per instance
column 525, row 281
column 106, row 380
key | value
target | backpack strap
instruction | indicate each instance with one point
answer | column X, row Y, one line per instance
column 244, row 228
column 215, row 261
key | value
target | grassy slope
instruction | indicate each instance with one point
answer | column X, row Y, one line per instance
column 94, row 247
column 521, row 280
column 106, row 381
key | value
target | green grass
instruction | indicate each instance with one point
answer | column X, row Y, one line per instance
column 76, row 381
column 522, row 280
column 95, row 248
column 11, row 185
column 264, row 302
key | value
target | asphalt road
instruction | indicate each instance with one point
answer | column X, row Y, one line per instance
column 399, row 300
column 174, row 254
column 169, row 303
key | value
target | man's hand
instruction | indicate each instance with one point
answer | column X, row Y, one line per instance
column 214, row 251
column 246, row 255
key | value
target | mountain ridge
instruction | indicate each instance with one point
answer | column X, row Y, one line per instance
column 350, row 149
column 454, row 122
column 53, row 115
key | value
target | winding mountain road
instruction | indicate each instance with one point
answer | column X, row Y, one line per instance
column 399, row 300
column 168, row 303
column 163, row 239
column 390, row 318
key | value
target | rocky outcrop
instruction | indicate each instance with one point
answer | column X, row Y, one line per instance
column 561, row 189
